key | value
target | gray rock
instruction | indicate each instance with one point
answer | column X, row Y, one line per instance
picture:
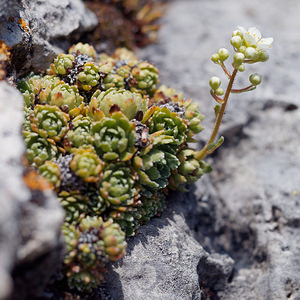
column 51, row 25
column 30, row 220
column 164, row 261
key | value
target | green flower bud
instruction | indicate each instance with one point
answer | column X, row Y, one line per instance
column 89, row 77
column 81, row 48
column 251, row 53
column 86, row 164
column 214, row 82
column 263, row 56
column 238, row 58
column 111, row 100
column 49, row 122
column 114, row 138
column 255, row 79
column 236, row 41
column 50, row 171
column 242, row 49
column 219, row 91
column 241, row 68
column 117, row 186
column 215, row 58
column 61, row 64
column 223, row 53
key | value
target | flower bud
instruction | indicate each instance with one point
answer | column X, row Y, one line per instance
column 223, row 53
column 215, row 58
column 236, row 41
column 251, row 53
column 219, row 91
column 238, row 58
column 242, row 49
column 263, row 56
column 255, row 79
column 241, row 68
column 214, row 82
column 236, row 33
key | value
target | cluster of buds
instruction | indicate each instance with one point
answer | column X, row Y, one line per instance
column 249, row 48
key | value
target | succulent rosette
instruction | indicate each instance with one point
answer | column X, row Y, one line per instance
column 189, row 170
column 86, row 164
column 49, row 122
column 90, row 245
column 62, row 64
column 114, row 137
column 81, row 48
column 89, row 77
column 118, row 185
column 64, row 96
column 111, row 100
column 145, row 78
column 161, row 118
column 80, row 134
column 50, row 170
column 35, row 87
column 155, row 169
column 38, row 149
column 75, row 206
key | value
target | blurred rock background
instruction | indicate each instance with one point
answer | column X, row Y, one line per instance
column 236, row 234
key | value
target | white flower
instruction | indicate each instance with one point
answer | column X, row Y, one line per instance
column 252, row 38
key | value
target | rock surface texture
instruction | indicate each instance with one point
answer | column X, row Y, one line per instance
column 37, row 29
column 30, row 219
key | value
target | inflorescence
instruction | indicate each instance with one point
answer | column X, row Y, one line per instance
column 112, row 143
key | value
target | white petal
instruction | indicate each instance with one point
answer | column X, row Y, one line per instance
column 242, row 29
column 249, row 39
column 255, row 33
column 265, row 43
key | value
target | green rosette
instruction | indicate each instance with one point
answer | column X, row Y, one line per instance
column 118, row 186
column 50, row 170
column 38, row 149
column 113, row 100
column 86, row 164
column 49, row 122
column 89, row 77
column 114, row 138
column 80, row 134
column 169, row 122
column 145, row 78
column 90, row 245
column 155, row 169
column 62, row 64
column 82, row 49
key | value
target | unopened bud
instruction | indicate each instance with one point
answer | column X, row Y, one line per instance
column 241, row 68
column 251, row 53
column 223, row 53
column 215, row 58
column 242, row 49
column 236, row 41
column 238, row 58
column 214, row 82
column 255, row 78
column 219, row 91
column 263, row 56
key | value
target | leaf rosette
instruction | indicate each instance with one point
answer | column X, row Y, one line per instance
column 114, row 138
column 49, row 122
